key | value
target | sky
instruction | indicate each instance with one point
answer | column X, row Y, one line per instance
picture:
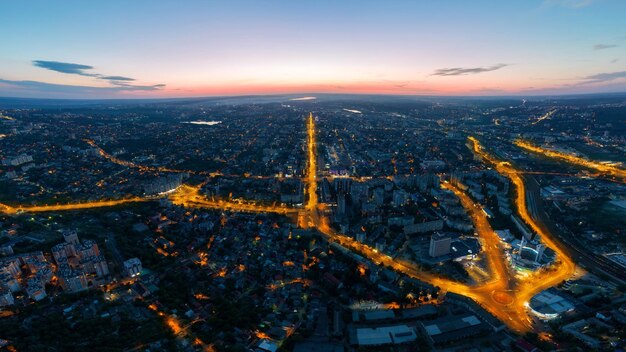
column 158, row 49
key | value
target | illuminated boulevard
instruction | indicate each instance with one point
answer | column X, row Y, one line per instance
column 7, row 209
column 503, row 295
column 564, row 266
column 190, row 197
column 573, row 159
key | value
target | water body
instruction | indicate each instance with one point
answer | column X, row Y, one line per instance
column 207, row 123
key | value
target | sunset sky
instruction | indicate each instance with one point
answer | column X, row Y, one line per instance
column 126, row 49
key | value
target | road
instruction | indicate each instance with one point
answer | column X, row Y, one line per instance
column 10, row 210
column 499, row 295
column 503, row 295
column 564, row 268
column 190, row 197
column 573, row 159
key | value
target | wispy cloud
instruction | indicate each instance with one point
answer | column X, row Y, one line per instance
column 116, row 78
column 82, row 70
column 605, row 77
column 604, row 46
column 50, row 90
column 65, row 67
column 457, row 71
column 571, row 4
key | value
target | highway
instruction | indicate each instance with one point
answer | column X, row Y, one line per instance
column 573, row 159
column 503, row 295
column 491, row 244
column 500, row 295
column 10, row 210
column 190, row 197
column 564, row 267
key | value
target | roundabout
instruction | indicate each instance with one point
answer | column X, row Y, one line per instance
column 503, row 298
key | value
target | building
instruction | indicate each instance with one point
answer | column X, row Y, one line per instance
column 547, row 305
column 70, row 236
column 341, row 204
column 72, row 281
column 100, row 266
column 422, row 227
column 399, row 198
column 453, row 328
column 382, row 335
column 18, row 160
column 439, row 245
column 88, row 249
column 6, row 297
column 132, row 267
column 62, row 251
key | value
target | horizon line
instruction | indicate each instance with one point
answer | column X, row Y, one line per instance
column 321, row 94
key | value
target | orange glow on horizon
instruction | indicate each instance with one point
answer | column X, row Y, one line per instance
column 443, row 86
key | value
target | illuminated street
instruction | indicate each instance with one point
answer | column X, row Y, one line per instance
column 502, row 295
column 573, row 159
column 188, row 196
column 541, row 280
column 68, row 207
column 490, row 242
column 270, row 176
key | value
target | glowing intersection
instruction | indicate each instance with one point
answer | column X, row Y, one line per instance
column 503, row 295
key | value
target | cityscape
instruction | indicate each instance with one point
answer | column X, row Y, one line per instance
column 311, row 213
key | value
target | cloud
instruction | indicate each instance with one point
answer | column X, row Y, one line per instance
column 79, row 69
column 127, row 86
column 457, row 71
column 116, row 78
column 603, row 46
column 600, row 82
column 605, row 77
column 65, row 67
column 570, row 4
column 614, row 61
column 51, row 90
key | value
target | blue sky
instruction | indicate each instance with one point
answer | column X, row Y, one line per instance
column 164, row 49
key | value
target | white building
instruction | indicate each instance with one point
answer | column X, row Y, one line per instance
column 439, row 245
column 133, row 267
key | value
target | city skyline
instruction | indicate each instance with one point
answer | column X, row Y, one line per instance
column 159, row 50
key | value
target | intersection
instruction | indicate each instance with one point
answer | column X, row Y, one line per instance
column 503, row 295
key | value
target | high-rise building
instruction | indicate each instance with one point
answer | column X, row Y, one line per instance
column 540, row 249
column 341, row 204
column 133, row 267
column 101, row 267
column 439, row 245
column 342, row 185
column 72, row 281
column 378, row 195
column 88, row 249
column 400, row 198
column 6, row 298
column 62, row 251
column 70, row 236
